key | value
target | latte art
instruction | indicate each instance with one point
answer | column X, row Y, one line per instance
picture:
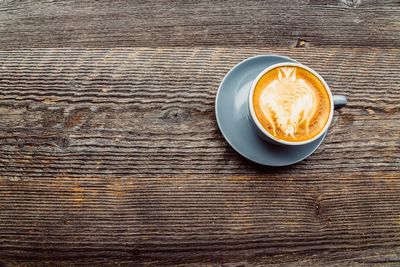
column 288, row 102
column 291, row 103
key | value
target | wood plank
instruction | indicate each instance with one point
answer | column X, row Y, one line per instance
column 197, row 219
column 113, row 156
column 310, row 23
column 156, row 107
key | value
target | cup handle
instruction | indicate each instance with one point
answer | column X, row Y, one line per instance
column 339, row 101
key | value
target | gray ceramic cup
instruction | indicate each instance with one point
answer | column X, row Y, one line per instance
column 337, row 101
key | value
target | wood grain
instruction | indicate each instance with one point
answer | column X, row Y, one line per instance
column 113, row 156
column 309, row 23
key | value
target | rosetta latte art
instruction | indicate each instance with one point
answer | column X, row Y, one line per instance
column 288, row 102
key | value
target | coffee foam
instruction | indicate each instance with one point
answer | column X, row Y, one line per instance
column 291, row 100
column 289, row 104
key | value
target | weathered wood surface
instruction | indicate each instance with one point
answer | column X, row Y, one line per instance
column 113, row 155
column 110, row 153
column 328, row 23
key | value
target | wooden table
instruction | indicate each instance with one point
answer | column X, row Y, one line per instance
column 110, row 153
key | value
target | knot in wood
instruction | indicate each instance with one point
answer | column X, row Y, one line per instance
column 318, row 207
column 351, row 3
column 62, row 142
column 300, row 43
column 175, row 115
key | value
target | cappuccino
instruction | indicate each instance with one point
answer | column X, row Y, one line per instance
column 291, row 103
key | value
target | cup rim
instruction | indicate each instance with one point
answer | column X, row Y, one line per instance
column 257, row 122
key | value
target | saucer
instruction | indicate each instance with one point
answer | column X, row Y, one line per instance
column 233, row 118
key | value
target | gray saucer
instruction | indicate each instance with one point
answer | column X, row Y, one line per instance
column 233, row 119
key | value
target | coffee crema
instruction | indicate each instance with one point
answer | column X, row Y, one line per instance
column 291, row 103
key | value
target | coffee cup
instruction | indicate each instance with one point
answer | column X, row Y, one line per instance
column 290, row 104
